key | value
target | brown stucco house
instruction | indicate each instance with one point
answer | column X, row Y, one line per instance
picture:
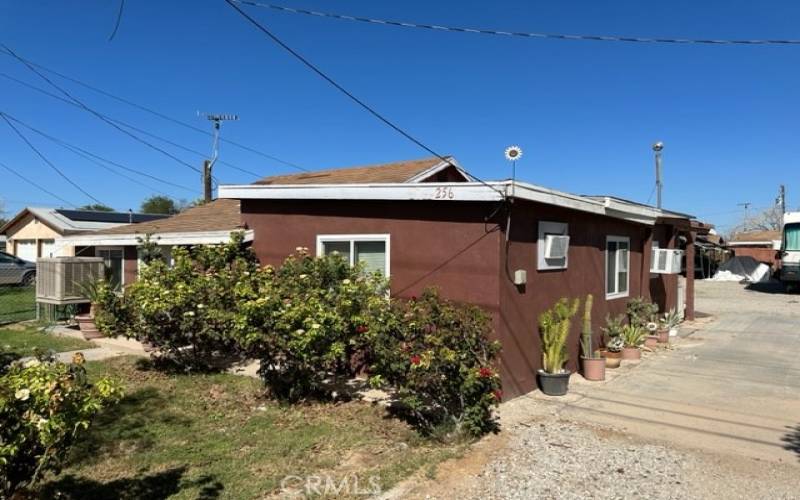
column 759, row 244
column 511, row 247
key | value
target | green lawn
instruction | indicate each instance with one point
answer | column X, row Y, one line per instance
column 22, row 340
column 17, row 303
column 215, row 436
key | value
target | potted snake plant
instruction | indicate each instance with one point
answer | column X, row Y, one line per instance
column 594, row 365
column 554, row 325
column 91, row 290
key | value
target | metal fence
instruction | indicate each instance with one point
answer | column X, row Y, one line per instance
column 17, row 296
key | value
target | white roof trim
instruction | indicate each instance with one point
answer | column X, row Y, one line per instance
column 444, row 192
column 754, row 243
column 438, row 168
column 182, row 238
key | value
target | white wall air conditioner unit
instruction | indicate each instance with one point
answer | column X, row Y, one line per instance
column 666, row 261
column 556, row 246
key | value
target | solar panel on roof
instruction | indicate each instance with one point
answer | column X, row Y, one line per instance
column 109, row 217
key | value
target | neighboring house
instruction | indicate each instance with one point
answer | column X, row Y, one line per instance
column 211, row 223
column 500, row 245
column 761, row 245
column 37, row 231
column 2, row 242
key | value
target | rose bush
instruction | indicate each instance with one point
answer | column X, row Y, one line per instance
column 188, row 311
column 44, row 406
column 438, row 356
column 309, row 320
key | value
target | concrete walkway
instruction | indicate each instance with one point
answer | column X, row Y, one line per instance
column 731, row 386
column 106, row 347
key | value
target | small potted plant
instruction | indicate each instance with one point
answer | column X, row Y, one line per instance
column 613, row 340
column 632, row 336
column 554, row 327
column 651, row 339
column 670, row 322
column 594, row 365
column 92, row 290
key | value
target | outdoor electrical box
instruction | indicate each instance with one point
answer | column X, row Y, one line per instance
column 520, row 277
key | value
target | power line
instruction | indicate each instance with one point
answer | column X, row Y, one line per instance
column 94, row 157
column 554, row 36
column 163, row 116
column 37, row 186
column 98, row 115
column 344, row 91
column 44, row 158
column 124, row 124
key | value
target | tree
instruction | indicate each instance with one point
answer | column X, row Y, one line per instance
column 770, row 219
column 97, row 207
column 157, row 204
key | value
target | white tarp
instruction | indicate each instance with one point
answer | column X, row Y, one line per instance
column 743, row 268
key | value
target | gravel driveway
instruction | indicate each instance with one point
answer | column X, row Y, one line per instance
column 716, row 417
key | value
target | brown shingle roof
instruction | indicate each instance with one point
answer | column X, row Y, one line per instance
column 219, row 215
column 400, row 171
column 756, row 236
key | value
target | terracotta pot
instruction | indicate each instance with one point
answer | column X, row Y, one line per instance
column 663, row 336
column 651, row 341
column 88, row 327
column 554, row 384
column 594, row 368
column 613, row 359
column 631, row 353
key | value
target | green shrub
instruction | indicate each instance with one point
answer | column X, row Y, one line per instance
column 641, row 311
column 44, row 405
column 439, row 358
column 111, row 310
column 308, row 321
column 188, row 311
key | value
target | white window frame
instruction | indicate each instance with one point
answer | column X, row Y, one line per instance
column 545, row 228
column 353, row 238
column 617, row 294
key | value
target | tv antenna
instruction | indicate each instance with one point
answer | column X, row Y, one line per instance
column 216, row 120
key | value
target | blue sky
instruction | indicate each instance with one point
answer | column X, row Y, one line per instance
column 585, row 113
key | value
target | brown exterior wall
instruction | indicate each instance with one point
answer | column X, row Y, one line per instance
column 445, row 244
column 520, row 307
column 664, row 287
column 130, row 264
column 761, row 254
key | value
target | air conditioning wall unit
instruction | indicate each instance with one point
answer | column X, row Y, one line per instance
column 666, row 261
column 556, row 246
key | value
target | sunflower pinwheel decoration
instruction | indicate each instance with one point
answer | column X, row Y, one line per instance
column 513, row 153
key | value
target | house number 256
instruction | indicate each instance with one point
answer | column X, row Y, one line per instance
column 444, row 193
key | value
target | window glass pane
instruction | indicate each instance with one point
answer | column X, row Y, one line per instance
column 343, row 247
column 611, row 267
column 792, row 237
column 372, row 254
column 113, row 262
column 622, row 279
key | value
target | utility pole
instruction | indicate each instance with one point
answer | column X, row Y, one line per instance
column 746, row 205
column 657, row 148
column 782, row 199
column 209, row 164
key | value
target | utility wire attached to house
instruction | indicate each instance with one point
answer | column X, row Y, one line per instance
column 552, row 36
column 37, row 186
column 346, row 92
column 95, row 113
column 158, row 114
column 44, row 158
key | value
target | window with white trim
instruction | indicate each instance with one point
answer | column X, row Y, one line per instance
column 617, row 266
column 370, row 250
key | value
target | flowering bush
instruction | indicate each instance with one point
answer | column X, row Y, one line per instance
column 188, row 310
column 438, row 356
column 309, row 320
column 111, row 311
column 44, row 405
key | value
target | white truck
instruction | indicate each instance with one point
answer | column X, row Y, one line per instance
column 790, row 250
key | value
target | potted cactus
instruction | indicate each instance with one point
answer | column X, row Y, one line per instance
column 632, row 336
column 554, row 327
column 594, row 365
column 651, row 338
column 612, row 338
